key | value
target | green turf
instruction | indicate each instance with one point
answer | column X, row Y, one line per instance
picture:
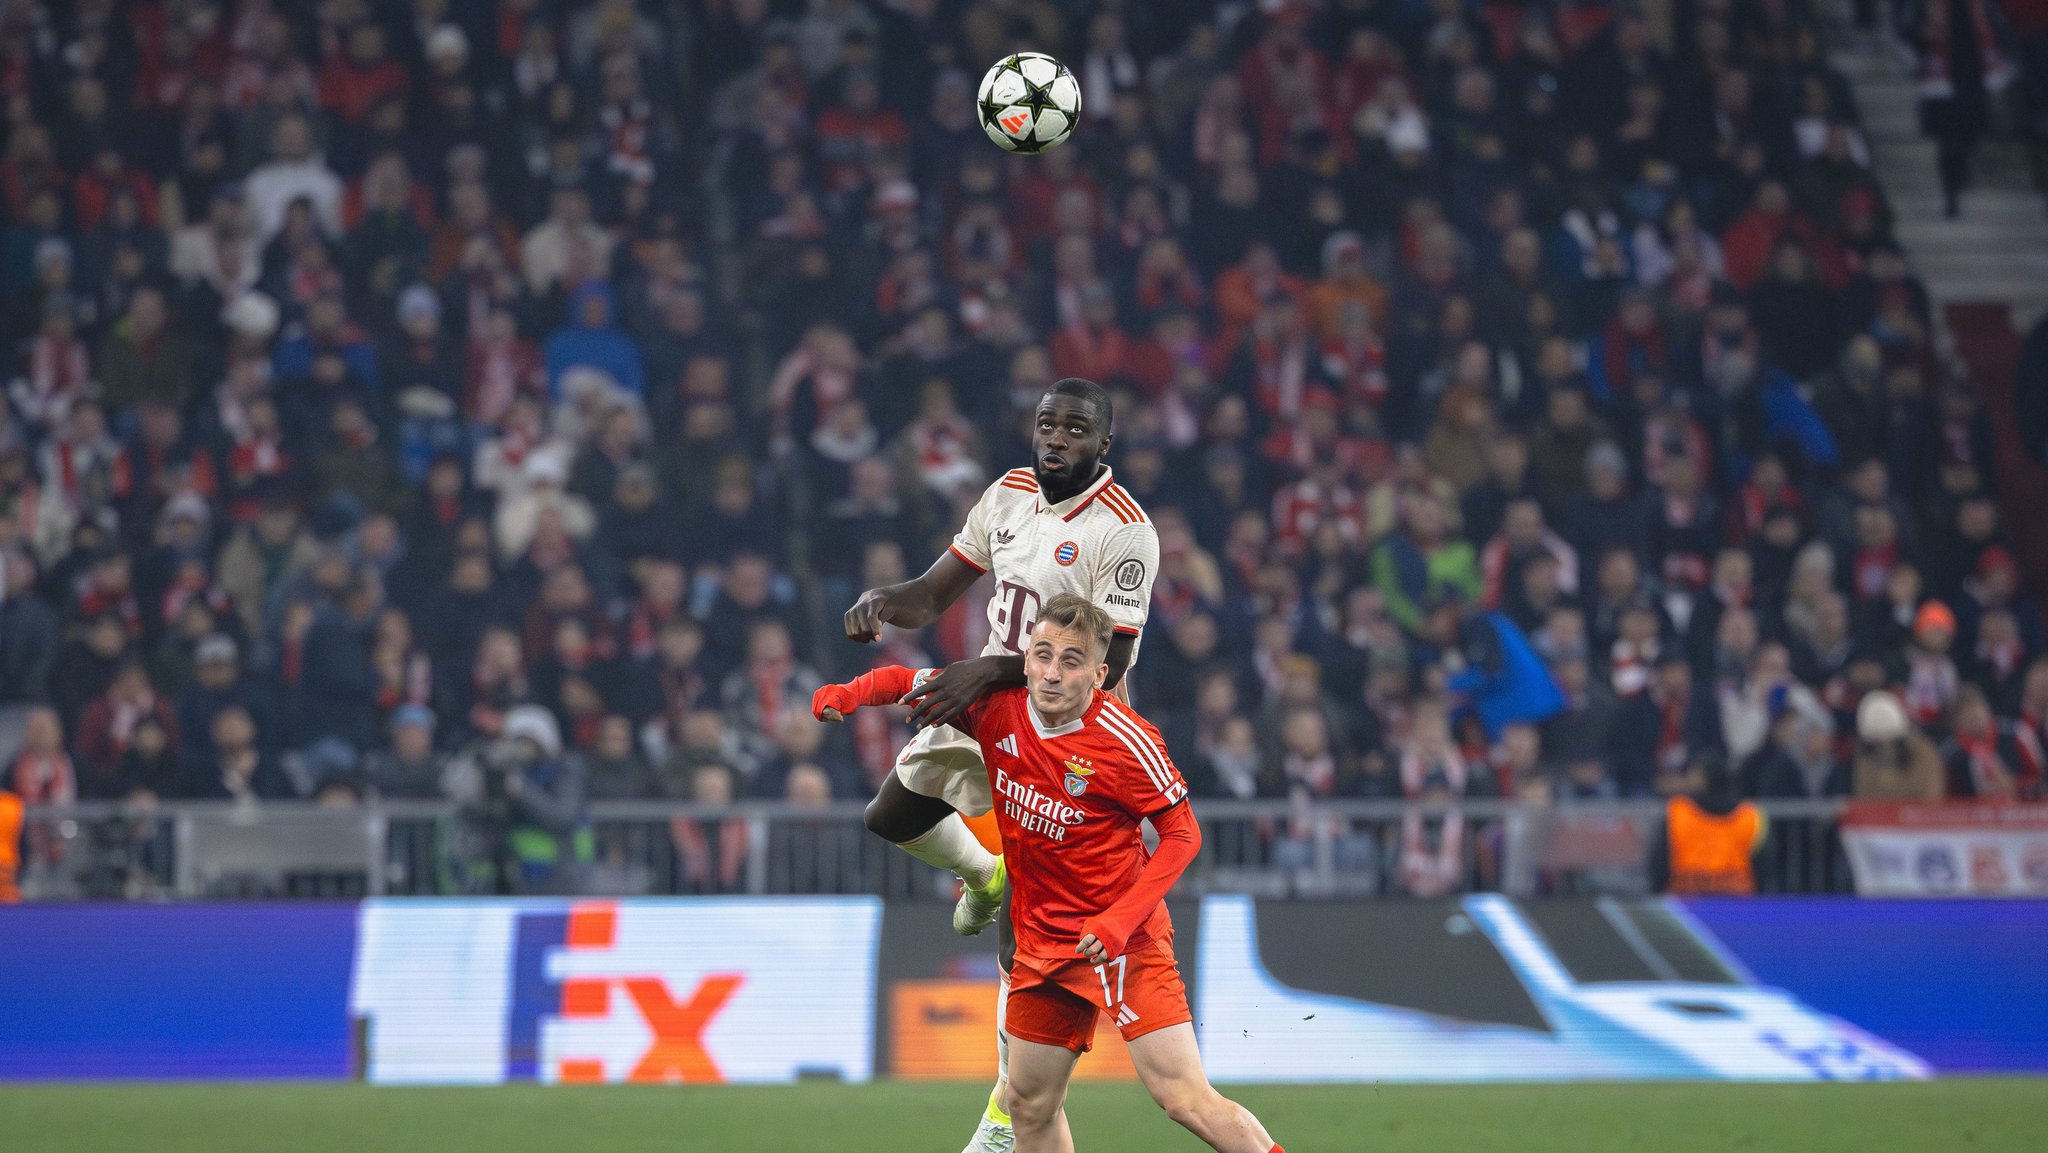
column 1947, row 1116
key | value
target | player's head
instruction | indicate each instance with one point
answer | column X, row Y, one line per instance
column 1067, row 659
column 1071, row 434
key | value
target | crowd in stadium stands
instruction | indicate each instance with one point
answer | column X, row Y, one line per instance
column 377, row 367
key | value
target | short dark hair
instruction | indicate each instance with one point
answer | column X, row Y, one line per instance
column 1088, row 391
column 1071, row 611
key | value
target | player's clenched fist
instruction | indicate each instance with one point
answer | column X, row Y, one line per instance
column 865, row 619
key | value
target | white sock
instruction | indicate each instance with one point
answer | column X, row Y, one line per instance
column 951, row 845
column 1003, row 1040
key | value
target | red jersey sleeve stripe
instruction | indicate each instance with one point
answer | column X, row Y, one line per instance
column 964, row 558
column 1128, row 630
column 1123, row 514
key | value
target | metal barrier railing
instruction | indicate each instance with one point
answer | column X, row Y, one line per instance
column 115, row 851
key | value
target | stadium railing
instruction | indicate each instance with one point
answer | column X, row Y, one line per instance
column 216, row 850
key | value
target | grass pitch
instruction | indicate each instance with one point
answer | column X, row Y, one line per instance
column 1980, row 1116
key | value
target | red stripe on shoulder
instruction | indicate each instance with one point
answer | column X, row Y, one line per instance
column 1126, row 508
column 1137, row 510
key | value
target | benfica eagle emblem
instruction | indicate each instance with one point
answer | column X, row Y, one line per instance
column 1076, row 781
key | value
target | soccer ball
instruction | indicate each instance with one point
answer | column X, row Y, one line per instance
column 1029, row 102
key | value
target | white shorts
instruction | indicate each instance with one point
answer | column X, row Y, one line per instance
column 944, row 762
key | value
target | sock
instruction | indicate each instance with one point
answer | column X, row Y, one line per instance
column 995, row 1108
column 950, row 845
column 1276, row 1149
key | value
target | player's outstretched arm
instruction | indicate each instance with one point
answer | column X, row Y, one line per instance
column 882, row 686
column 1180, row 840
column 912, row 604
column 957, row 686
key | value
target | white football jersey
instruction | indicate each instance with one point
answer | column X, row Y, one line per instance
column 1097, row 544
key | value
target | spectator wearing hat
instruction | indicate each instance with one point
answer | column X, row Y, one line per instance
column 217, row 684
column 548, row 831
column 1932, row 681
column 407, row 767
column 1893, row 761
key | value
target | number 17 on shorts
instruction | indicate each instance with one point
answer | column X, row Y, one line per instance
column 1111, row 973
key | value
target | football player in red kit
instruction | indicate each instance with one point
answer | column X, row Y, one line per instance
column 1075, row 773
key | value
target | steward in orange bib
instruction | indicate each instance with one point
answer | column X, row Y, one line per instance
column 10, row 846
column 1709, row 838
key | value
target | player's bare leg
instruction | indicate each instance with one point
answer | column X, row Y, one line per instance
column 1038, row 1096
column 927, row 828
column 1171, row 1067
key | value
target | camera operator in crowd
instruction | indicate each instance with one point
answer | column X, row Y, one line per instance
column 521, row 824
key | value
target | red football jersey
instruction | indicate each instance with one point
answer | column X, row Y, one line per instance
column 1069, row 802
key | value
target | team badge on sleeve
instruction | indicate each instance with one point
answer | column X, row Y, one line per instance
column 1076, row 781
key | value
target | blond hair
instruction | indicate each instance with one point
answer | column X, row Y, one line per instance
column 1079, row 614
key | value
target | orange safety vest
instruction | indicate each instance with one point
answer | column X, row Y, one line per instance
column 10, row 846
column 1710, row 854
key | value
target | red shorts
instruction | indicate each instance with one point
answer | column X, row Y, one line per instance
column 1054, row 1002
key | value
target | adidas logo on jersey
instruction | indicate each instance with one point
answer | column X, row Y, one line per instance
column 1005, row 536
column 1008, row 744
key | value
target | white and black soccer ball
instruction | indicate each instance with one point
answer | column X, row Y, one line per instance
column 1028, row 102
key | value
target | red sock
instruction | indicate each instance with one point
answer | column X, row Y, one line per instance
column 1276, row 1149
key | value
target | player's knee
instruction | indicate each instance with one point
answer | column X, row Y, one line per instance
column 1189, row 1105
column 1034, row 1107
column 876, row 818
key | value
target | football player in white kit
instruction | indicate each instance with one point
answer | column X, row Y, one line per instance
column 1061, row 526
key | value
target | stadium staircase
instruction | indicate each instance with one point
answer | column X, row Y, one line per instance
column 1987, row 270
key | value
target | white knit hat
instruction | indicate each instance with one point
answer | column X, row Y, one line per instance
column 536, row 724
column 1880, row 717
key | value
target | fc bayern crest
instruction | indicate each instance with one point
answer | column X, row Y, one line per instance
column 1066, row 553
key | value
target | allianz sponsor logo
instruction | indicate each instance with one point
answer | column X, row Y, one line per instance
column 1122, row 601
column 1040, row 812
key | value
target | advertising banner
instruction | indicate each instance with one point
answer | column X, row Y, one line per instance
column 1484, row 988
column 651, row 991
column 1959, row 983
column 1980, row 849
column 761, row 990
column 175, row 992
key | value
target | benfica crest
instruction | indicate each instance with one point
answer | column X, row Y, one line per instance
column 1076, row 781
